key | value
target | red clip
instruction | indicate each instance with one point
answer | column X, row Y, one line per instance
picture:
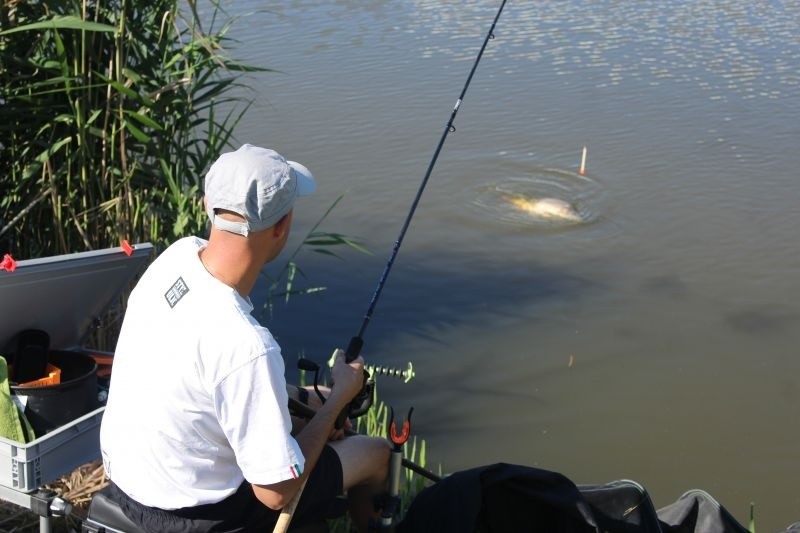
column 8, row 263
column 127, row 248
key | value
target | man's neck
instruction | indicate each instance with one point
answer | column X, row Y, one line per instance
column 231, row 262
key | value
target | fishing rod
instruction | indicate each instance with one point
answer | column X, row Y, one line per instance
column 362, row 402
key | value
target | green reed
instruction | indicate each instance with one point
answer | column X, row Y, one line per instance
column 109, row 114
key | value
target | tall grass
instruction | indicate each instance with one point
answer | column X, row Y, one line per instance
column 109, row 113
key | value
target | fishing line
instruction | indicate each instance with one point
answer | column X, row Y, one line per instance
column 356, row 343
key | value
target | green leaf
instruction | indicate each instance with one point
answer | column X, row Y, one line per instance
column 69, row 22
column 144, row 119
column 333, row 239
column 64, row 118
column 136, row 132
column 45, row 155
column 93, row 116
column 127, row 91
column 325, row 252
column 131, row 75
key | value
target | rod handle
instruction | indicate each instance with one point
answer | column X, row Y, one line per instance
column 363, row 400
column 353, row 349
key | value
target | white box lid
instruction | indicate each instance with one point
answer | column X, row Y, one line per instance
column 63, row 295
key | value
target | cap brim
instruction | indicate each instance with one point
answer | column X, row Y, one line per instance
column 305, row 180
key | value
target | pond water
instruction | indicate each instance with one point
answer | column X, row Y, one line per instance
column 654, row 339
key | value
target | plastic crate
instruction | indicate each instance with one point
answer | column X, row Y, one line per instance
column 26, row 467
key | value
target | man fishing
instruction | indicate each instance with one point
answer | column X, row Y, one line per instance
column 197, row 434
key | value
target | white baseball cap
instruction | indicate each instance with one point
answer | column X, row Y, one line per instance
column 257, row 183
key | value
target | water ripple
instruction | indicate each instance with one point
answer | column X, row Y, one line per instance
column 733, row 48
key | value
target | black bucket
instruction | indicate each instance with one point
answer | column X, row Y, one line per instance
column 51, row 406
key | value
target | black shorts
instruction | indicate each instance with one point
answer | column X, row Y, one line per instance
column 242, row 511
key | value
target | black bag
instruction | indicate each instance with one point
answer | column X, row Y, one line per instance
column 697, row 511
column 513, row 498
column 622, row 505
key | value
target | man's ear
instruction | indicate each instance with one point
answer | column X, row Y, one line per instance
column 282, row 226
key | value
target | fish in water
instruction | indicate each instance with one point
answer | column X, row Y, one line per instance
column 550, row 208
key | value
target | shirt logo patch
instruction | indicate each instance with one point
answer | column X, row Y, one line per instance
column 176, row 292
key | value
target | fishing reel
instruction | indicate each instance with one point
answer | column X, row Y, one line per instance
column 363, row 400
column 358, row 406
column 361, row 403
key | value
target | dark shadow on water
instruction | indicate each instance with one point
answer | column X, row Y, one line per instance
column 666, row 285
column 761, row 322
column 421, row 297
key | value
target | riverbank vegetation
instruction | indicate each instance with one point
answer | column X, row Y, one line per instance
column 109, row 112
column 109, row 115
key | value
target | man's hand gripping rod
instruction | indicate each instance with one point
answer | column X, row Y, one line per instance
column 362, row 402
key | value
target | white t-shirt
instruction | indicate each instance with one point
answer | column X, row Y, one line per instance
column 198, row 399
